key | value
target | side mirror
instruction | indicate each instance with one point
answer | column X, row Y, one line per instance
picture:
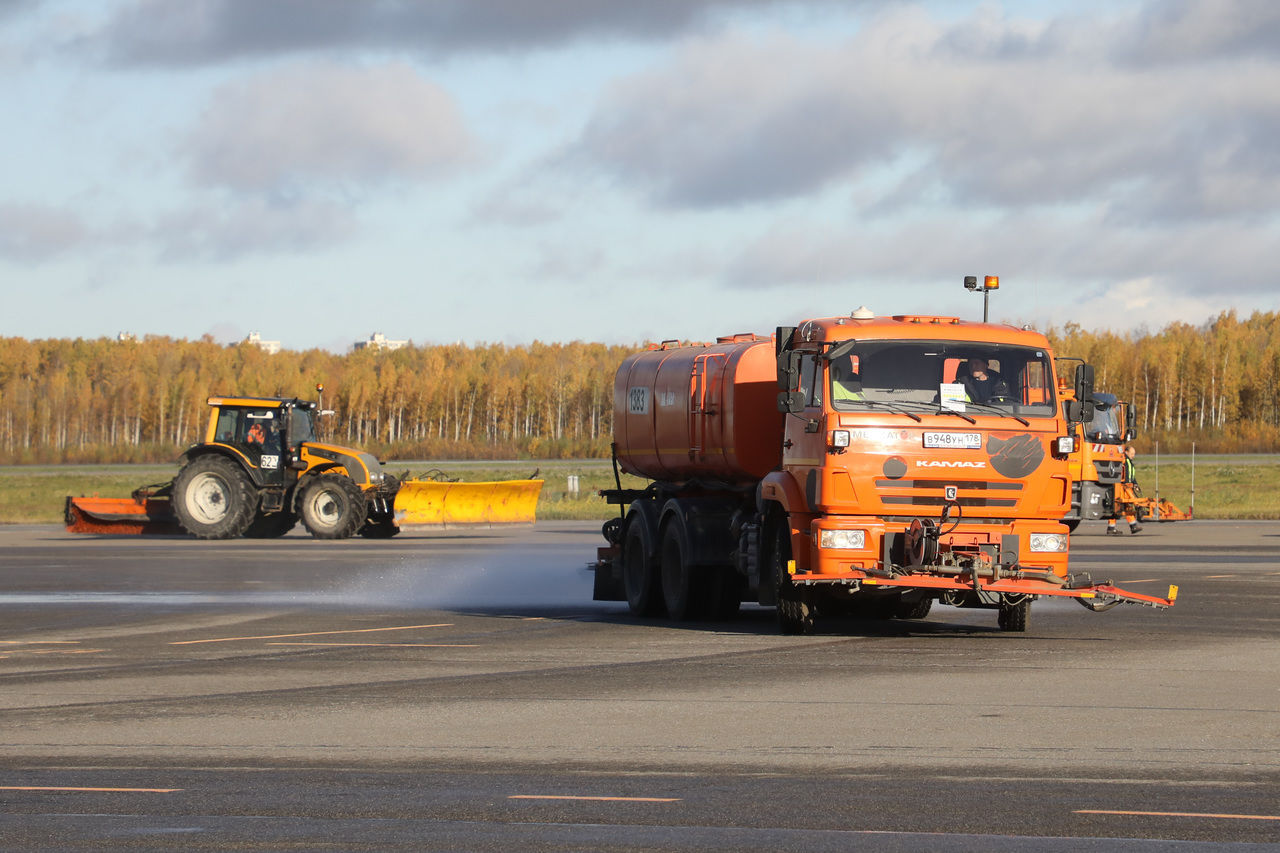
column 1130, row 434
column 1083, row 411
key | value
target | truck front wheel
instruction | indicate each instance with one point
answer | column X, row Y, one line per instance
column 795, row 610
column 213, row 498
column 332, row 506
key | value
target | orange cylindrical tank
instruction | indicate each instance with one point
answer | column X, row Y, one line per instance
column 700, row 412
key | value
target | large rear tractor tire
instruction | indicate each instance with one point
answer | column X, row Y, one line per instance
column 213, row 498
column 332, row 506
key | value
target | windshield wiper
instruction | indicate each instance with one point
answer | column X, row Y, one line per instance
column 942, row 410
column 992, row 408
column 895, row 408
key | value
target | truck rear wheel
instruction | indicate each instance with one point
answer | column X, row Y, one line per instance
column 213, row 498
column 332, row 506
column 682, row 589
column 639, row 570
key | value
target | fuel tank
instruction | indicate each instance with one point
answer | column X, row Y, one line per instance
column 705, row 412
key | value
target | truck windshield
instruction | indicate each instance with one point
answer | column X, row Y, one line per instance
column 1105, row 426
column 953, row 375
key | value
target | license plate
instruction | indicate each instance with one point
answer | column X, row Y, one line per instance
column 966, row 440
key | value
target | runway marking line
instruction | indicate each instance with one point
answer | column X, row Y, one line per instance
column 39, row 642
column 596, row 799
column 1181, row 814
column 89, row 790
column 388, row 645
column 310, row 634
column 1218, row 577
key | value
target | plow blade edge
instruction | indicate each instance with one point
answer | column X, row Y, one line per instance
column 499, row 502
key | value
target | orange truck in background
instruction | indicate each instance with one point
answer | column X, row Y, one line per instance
column 1097, row 463
column 847, row 465
column 1099, row 488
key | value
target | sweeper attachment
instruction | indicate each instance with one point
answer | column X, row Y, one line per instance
column 260, row 470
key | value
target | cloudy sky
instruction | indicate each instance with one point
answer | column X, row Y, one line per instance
column 510, row 171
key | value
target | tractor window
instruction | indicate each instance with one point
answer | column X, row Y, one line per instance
column 301, row 428
column 228, row 425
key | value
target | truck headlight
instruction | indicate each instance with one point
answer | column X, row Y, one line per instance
column 1049, row 542
column 1066, row 445
column 839, row 438
column 849, row 540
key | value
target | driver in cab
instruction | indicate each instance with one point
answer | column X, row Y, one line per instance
column 981, row 383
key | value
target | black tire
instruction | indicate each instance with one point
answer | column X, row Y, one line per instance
column 683, row 591
column 640, row 575
column 271, row 526
column 332, row 506
column 795, row 610
column 1014, row 617
column 914, row 608
column 213, row 498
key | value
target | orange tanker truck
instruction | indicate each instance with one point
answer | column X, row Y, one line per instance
column 861, row 464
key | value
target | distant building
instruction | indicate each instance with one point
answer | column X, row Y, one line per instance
column 379, row 341
column 126, row 336
column 269, row 347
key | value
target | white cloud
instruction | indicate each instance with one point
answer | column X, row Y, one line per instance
column 35, row 232
column 320, row 124
column 221, row 232
column 1000, row 113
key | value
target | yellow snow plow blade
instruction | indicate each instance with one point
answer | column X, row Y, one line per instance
column 498, row 502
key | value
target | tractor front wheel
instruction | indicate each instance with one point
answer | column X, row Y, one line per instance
column 332, row 506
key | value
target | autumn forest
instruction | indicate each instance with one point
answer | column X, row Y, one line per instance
column 105, row 400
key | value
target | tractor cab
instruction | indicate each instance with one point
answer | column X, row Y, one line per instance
column 266, row 433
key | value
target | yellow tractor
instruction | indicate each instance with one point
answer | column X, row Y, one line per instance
column 260, row 469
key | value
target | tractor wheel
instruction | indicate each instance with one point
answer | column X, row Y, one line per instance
column 213, row 498
column 271, row 526
column 795, row 610
column 1013, row 617
column 332, row 506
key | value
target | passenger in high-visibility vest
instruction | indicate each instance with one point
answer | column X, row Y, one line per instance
column 846, row 382
column 1130, row 476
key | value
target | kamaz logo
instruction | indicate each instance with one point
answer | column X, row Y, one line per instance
column 945, row 463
